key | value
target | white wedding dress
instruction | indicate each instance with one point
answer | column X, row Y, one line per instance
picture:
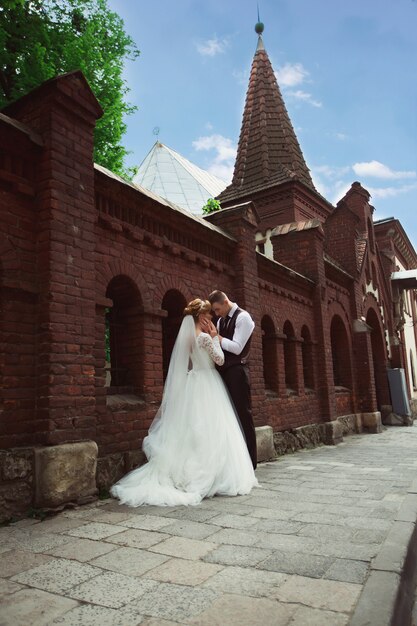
column 195, row 446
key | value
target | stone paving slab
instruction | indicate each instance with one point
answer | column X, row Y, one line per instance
column 136, row 538
column 17, row 561
column 322, row 542
column 33, row 606
column 129, row 561
column 184, row 572
column 112, row 590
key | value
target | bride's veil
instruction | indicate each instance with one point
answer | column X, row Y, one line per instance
column 168, row 422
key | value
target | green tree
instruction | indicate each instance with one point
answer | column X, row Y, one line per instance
column 211, row 206
column 42, row 38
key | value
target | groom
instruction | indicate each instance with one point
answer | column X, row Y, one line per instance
column 235, row 327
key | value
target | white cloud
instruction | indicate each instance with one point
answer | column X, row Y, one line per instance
column 376, row 169
column 211, row 47
column 329, row 182
column 291, row 74
column 331, row 171
column 222, row 171
column 225, row 154
column 209, row 126
column 340, row 136
column 390, row 192
column 305, row 97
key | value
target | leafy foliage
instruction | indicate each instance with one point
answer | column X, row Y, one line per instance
column 211, row 206
column 42, row 38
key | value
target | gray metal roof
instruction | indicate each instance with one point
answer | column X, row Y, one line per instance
column 173, row 177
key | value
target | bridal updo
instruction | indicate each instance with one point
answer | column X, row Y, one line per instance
column 196, row 307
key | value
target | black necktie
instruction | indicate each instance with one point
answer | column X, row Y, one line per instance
column 226, row 323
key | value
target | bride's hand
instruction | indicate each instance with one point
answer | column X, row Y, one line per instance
column 212, row 330
column 208, row 327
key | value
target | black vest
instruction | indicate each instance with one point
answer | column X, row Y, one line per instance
column 231, row 359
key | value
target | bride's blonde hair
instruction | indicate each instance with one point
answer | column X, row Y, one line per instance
column 196, row 307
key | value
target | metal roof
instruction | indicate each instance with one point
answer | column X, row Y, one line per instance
column 162, row 201
column 171, row 176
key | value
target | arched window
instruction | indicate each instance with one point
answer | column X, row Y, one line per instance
column 341, row 354
column 269, row 354
column 124, row 336
column 308, row 360
column 175, row 303
column 290, row 357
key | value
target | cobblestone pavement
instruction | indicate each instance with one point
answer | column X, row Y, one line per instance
column 320, row 541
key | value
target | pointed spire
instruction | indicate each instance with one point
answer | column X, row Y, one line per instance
column 268, row 151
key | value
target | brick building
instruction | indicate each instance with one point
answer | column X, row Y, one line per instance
column 84, row 254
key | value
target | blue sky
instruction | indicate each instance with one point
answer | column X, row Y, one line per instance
column 347, row 71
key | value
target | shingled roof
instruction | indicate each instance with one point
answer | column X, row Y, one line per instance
column 268, row 152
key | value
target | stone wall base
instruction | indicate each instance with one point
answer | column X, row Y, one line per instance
column 16, row 482
column 50, row 478
column 112, row 467
column 393, row 419
column 265, row 443
column 46, row 478
column 65, row 474
column 328, row 433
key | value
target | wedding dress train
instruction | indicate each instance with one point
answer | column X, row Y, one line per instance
column 195, row 446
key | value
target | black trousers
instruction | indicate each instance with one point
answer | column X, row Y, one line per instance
column 236, row 379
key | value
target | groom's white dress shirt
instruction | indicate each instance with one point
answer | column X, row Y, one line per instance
column 243, row 330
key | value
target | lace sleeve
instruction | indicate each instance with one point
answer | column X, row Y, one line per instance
column 212, row 346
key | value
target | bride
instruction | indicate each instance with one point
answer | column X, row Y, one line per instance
column 195, row 447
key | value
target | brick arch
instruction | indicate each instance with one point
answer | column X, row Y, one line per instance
column 370, row 302
column 266, row 312
column 120, row 267
column 269, row 352
column 169, row 282
column 341, row 345
column 336, row 308
column 379, row 351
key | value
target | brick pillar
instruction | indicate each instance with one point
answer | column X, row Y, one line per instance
column 282, row 387
column 299, row 365
column 303, row 252
column 153, row 379
column 242, row 223
column 63, row 111
column 366, row 400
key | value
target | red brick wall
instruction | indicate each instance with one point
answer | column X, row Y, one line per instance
column 18, row 293
column 76, row 241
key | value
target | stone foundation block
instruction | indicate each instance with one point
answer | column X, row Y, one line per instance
column 309, row 436
column 372, row 422
column 110, row 469
column 333, row 432
column 351, row 424
column 65, row 474
column 265, row 443
column 393, row 419
column 133, row 459
column 286, row 442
